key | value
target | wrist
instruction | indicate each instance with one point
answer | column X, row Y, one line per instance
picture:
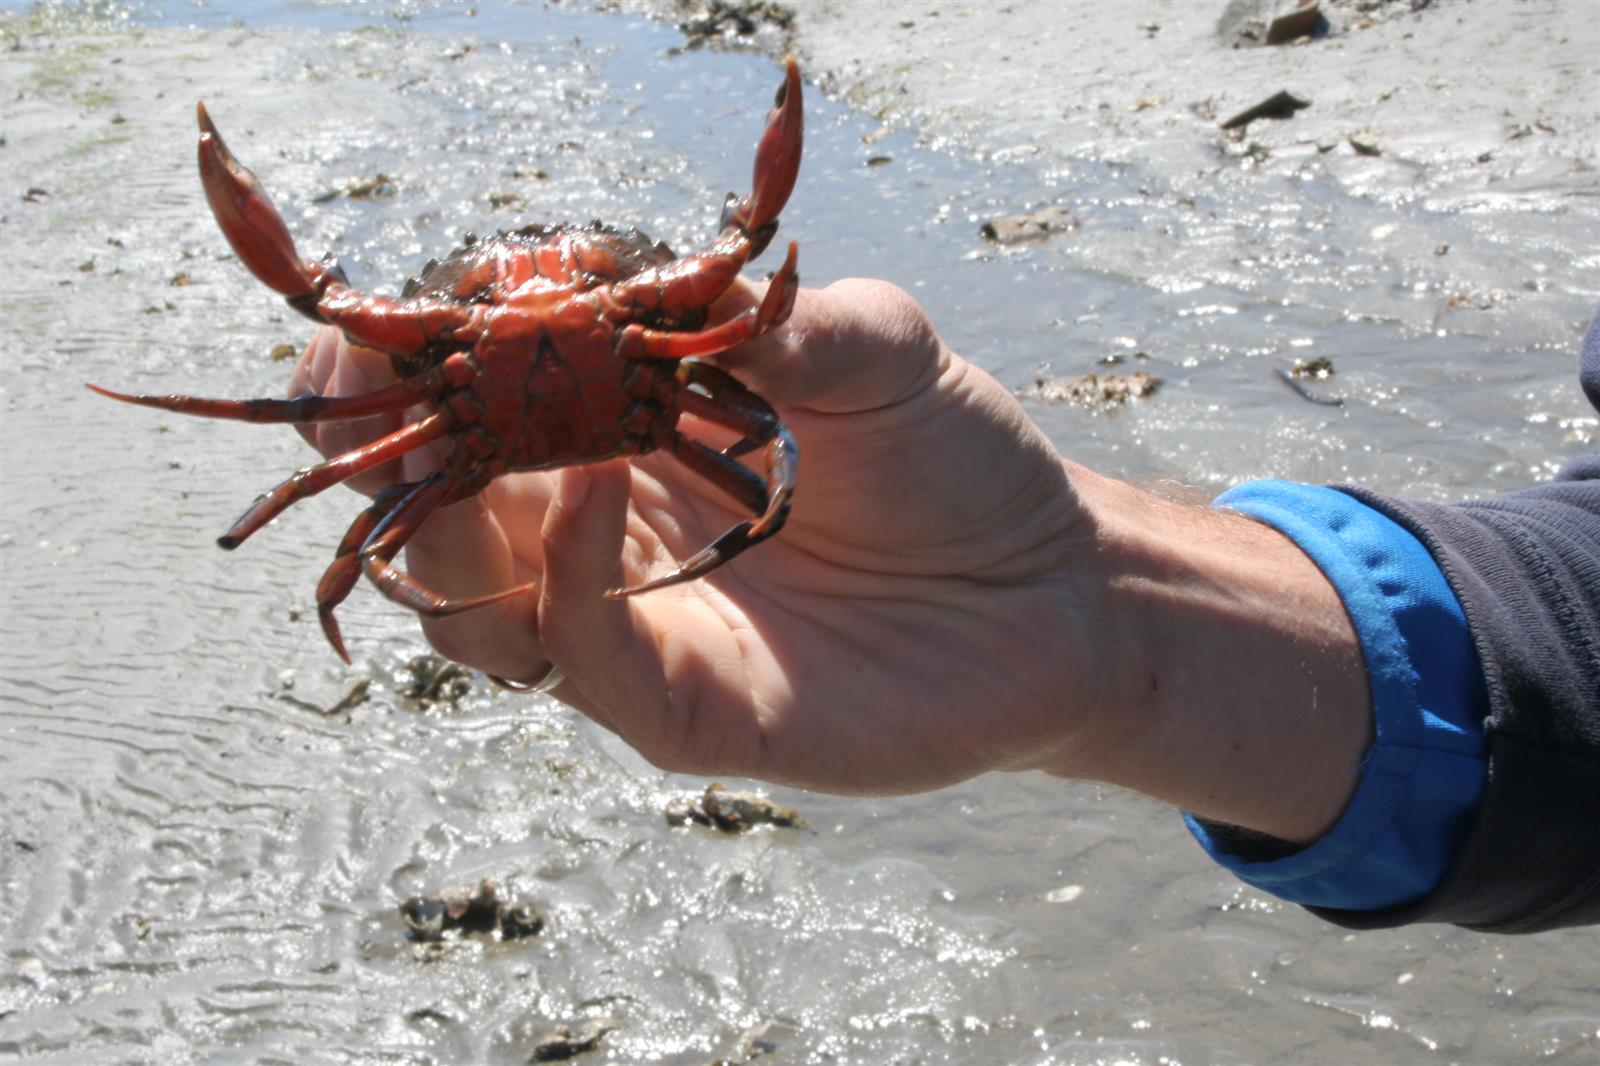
column 1231, row 682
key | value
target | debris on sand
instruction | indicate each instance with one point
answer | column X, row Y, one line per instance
column 361, row 189
column 721, row 23
column 436, row 680
column 731, row 812
column 1029, row 226
column 355, row 693
column 753, row 1044
column 567, row 1041
column 1281, row 104
column 456, row 912
column 1318, row 369
column 1093, row 392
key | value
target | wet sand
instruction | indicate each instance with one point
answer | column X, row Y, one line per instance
column 1482, row 111
column 201, row 865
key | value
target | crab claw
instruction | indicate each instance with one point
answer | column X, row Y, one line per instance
column 777, row 161
column 779, row 301
column 247, row 218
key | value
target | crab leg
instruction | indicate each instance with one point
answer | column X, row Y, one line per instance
column 340, row 578
column 314, row 479
column 636, row 341
column 307, row 408
column 400, row 525
column 720, row 397
column 731, row 404
column 693, row 281
column 313, row 408
column 259, row 237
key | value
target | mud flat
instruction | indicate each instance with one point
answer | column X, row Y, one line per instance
column 210, row 824
column 1450, row 151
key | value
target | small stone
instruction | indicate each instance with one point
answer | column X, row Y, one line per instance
column 1300, row 22
column 517, row 920
column 1364, row 144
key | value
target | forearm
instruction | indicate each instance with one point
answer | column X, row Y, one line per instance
column 1234, row 682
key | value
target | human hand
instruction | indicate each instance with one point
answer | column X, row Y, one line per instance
column 949, row 596
column 905, row 629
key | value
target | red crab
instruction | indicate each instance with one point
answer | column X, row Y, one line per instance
column 532, row 349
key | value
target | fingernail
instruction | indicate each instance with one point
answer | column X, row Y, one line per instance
column 574, row 489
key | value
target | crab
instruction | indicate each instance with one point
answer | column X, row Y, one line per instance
column 536, row 348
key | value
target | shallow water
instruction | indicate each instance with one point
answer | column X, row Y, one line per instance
column 197, row 867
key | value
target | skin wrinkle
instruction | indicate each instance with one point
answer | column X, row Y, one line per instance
column 888, row 630
column 675, row 706
column 738, row 676
column 958, row 385
column 766, row 716
column 770, row 721
column 653, row 524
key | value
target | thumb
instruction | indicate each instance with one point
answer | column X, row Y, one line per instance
column 857, row 345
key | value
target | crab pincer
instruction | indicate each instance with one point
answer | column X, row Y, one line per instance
column 245, row 214
column 777, row 164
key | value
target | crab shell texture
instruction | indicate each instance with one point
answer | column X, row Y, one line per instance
column 536, row 348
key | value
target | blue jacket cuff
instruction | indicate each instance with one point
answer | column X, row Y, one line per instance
column 1424, row 776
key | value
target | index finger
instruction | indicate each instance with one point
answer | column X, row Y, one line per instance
column 332, row 366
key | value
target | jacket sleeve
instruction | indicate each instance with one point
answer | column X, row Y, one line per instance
column 1421, row 782
column 1526, row 569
